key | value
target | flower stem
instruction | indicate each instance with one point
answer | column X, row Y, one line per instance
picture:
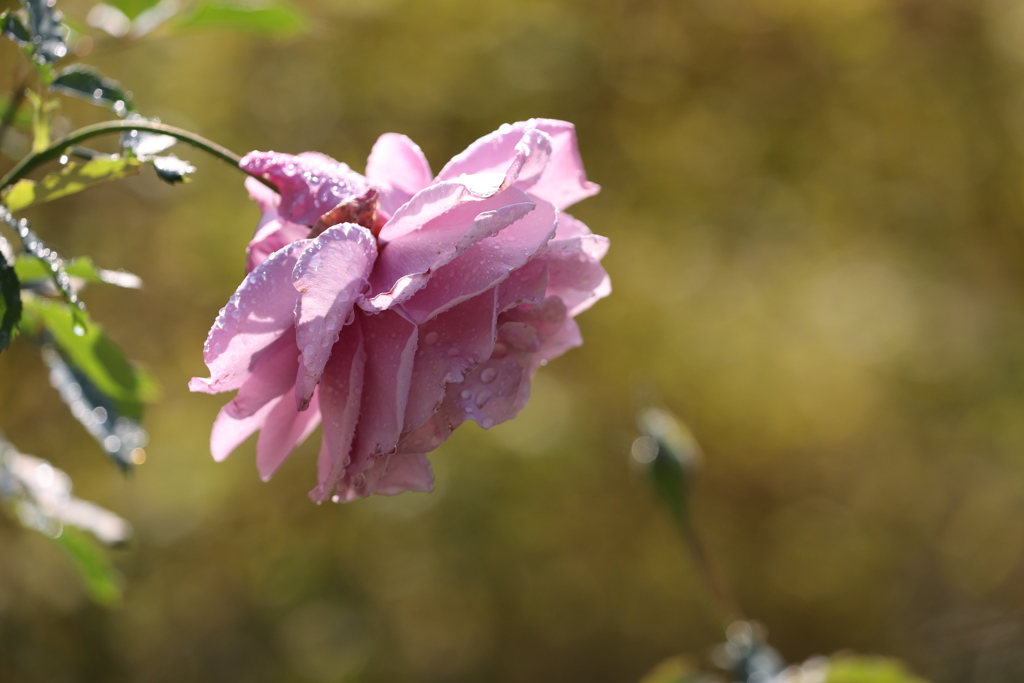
column 57, row 149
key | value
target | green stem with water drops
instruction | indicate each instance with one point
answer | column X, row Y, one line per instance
column 58, row 148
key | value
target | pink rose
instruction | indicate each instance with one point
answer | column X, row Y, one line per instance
column 394, row 306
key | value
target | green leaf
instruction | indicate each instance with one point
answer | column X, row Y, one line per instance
column 102, row 581
column 114, row 424
column 12, row 26
column 88, row 84
column 72, row 178
column 31, row 269
column 10, row 302
column 90, row 351
column 48, row 33
column 674, row 670
column 850, row 669
column 273, row 18
column 133, row 8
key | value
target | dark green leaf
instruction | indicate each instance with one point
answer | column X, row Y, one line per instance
column 171, row 169
column 10, row 302
column 48, row 34
column 88, row 349
column 31, row 270
column 72, row 178
column 101, row 579
column 14, row 28
column 86, row 83
column 50, row 258
column 850, row 669
column 672, row 456
column 274, row 18
column 114, row 424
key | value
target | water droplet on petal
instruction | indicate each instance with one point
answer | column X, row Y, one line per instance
column 430, row 339
column 482, row 398
column 466, row 393
column 487, row 423
column 487, row 375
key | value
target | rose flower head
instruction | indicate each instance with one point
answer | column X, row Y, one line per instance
column 391, row 307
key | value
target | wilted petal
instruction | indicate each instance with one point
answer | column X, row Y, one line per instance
column 563, row 181
column 340, row 389
column 450, row 346
column 438, row 225
column 260, row 311
column 398, row 169
column 285, row 428
column 483, row 265
column 330, row 276
column 310, row 184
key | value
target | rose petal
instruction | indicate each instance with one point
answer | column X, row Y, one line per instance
column 398, row 168
column 340, row 389
column 260, row 311
column 272, row 233
column 391, row 346
column 273, row 375
column 563, row 181
column 490, row 393
column 405, row 472
column 265, row 198
column 436, row 226
column 330, row 276
column 310, row 184
column 284, row 429
column 528, row 283
column 450, row 346
column 230, row 431
column 483, row 265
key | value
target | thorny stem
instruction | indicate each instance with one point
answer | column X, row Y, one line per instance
column 58, row 148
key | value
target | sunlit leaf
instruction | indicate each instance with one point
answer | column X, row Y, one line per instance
column 31, row 270
column 74, row 177
column 48, row 35
column 88, row 84
column 90, row 351
column 41, row 109
column 102, row 581
column 850, row 669
column 10, row 302
column 273, row 18
column 12, row 26
column 114, row 424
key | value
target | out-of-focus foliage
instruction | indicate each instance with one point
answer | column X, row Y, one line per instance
column 846, row 669
column 817, row 225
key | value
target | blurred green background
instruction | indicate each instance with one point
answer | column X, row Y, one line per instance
column 815, row 209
